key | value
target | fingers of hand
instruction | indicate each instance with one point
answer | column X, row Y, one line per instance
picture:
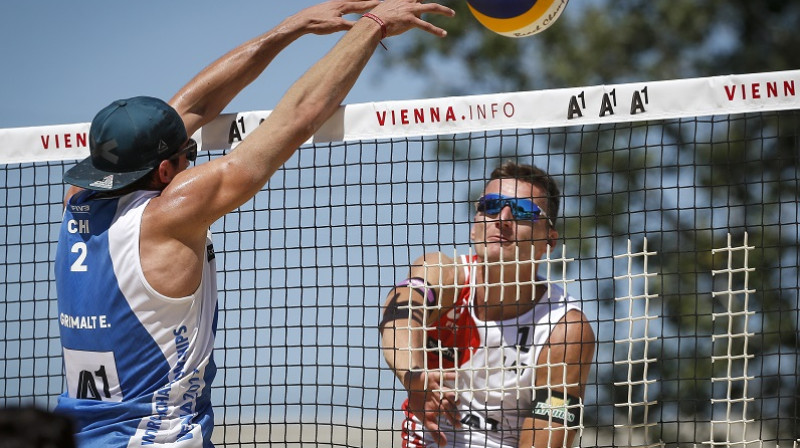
column 402, row 15
column 445, row 404
column 357, row 6
column 431, row 424
column 449, row 376
column 433, row 8
column 450, row 408
column 328, row 17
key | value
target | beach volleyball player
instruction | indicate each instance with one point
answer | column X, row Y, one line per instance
column 491, row 354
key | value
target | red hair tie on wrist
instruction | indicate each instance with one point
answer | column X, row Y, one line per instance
column 380, row 22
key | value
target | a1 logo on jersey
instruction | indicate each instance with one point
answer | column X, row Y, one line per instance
column 92, row 375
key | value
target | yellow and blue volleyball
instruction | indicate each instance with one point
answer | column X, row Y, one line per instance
column 517, row 18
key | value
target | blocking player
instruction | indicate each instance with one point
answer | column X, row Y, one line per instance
column 491, row 354
column 135, row 268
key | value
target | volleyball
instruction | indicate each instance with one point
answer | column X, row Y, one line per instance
column 517, row 18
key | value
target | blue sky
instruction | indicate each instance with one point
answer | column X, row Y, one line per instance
column 64, row 61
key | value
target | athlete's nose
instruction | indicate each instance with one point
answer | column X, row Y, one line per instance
column 506, row 214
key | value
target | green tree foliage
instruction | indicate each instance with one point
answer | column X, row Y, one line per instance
column 603, row 41
column 686, row 190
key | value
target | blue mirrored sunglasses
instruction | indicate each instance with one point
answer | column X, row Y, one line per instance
column 521, row 209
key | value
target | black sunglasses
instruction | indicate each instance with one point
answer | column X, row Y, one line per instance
column 190, row 149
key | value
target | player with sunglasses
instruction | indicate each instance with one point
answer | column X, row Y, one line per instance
column 491, row 354
column 135, row 267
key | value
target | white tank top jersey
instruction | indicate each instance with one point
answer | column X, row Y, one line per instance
column 138, row 365
column 495, row 361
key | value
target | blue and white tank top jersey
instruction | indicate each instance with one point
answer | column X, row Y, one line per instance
column 139, row 365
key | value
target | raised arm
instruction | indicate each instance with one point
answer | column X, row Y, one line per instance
column 408, row 309
column 562, row 373
column 207, row 94
column 227, row 182
column 204, row 97
column 411, row 307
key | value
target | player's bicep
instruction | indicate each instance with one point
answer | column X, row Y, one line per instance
column 562, row 373
column 420, row 297
column 401, row 305
column 443, row 277
column 565, row 361
column 556, row 412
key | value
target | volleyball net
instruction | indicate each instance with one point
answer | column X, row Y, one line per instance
column 678, row 239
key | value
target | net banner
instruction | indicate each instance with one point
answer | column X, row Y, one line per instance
column 639, row 101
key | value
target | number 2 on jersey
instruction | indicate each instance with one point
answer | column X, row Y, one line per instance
column 80, row 249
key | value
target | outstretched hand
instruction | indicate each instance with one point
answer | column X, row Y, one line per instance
column 402, row 15
column 429, row 399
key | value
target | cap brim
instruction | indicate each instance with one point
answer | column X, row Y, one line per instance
column 85, row 175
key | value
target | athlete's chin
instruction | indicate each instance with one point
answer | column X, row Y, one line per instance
column 492, row 251
column 497, row 242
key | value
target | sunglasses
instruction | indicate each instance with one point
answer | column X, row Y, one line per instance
column 522, row 209
column 190, row 149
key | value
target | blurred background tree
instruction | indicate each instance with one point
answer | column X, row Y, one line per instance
column 684, row 191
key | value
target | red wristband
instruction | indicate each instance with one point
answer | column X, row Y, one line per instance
column 380, row 22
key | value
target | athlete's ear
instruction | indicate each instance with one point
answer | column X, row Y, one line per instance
column 166, row 171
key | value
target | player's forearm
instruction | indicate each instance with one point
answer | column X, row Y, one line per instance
column 307, row 104
column 403, row 349
column 230, row 181
column 318, row 93
column 211, row 90
column 403, row 329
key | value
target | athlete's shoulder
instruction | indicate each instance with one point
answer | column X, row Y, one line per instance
column 437, row 268
column 556, row 293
